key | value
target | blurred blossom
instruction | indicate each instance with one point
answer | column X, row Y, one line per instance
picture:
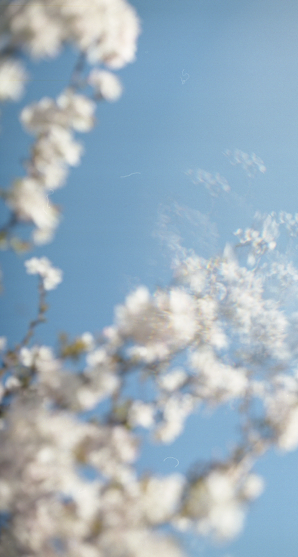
column 215, row 184
column 250, row 163
column 105, row 84
column 12, row 79
column 51, row 276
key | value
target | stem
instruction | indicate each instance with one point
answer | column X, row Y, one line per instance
column 11, row 357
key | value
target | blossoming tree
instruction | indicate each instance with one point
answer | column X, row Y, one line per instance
column 224, row 317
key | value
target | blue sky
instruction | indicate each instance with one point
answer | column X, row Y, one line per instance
column 241, row 59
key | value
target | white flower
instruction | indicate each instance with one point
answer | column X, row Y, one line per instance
column 39, row 116
column 141, row 414
column 58, row 143
column 12, row 383
column 215, row 379
column 99, row 356
column 173, row 380
column 161, row 497
column 182, row 314
column 175, row 411
column 288, row 438
column 3, row 342
column 105, row 385
column 12, row 79
column 29, row 201
column 253, row 486
column 88, row 340
column 51, row 276
column 27, row 356
column 78, row 109
column 106, row 84
column 33, row 28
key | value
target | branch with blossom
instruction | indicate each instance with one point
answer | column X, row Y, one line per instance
column 224, row 319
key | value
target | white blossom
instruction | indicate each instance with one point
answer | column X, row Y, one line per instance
column 253, row 486
column 106, row 84
column 88, row 339
column 30, row 203
column 173, row 380
column 106, row 31
column 215, row 379
column 161, row 497
column 3, row 343
column 77, row 109
column 141, row 414
column 12, row 79
column 51, row 275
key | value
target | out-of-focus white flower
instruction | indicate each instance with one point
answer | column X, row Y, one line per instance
column 42, row 358
column 27, row 356
column 173, row 380
column 39, row 116
column 12, row 79
column 6, row 495
column 78, row 109
column 253, row 486
column 57, row 143
column 216, row 380
column 28, row 200
column 88, row 340
column 175, row 411
column 105, row 385
column 32, row 26
column 106, row 31
column 141, row 414
column 12, row 383
column 97, row 357
column 249, row 163
column 161, row 496
column 51, row 275
column 213, row 502
column 3, row 342
column 288, row 438
column 105, row 84
column 282, row 411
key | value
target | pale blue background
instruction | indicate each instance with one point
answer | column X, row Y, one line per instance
column 242, row 60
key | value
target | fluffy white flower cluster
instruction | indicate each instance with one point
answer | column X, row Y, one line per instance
column 157, row 325
column 53, row 123
column 28, row 199
column 217, row 315
column 250, row 163
column 281, row 404
column 217, row 325
column 105, row 84
column 215, row 502
column 105, row 30
column 213, row 183
column 12, row 79
column 259, row 242
column 217, row 381
column 51, row 276
column 113, row 513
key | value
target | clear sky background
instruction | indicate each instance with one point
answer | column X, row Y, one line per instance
column 241, row 59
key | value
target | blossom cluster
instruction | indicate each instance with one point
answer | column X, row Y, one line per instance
column 234, row 342
column 104, row 33
column 42, row 267
column 55, row 148
column 70, row 440
column 215, row 184
column 250, row 163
